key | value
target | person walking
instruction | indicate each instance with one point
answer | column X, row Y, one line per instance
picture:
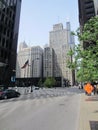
column 97, row 88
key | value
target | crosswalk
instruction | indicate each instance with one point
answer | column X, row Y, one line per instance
column 41, row 94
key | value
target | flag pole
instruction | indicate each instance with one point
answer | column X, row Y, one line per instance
column 24, row 72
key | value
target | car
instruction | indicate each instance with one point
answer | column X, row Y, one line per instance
column 1, row 91
column 35, row 88
column 9, row 93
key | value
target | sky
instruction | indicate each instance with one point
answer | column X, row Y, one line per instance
column 38, row 17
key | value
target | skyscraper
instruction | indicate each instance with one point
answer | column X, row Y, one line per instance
column 48, row 62
column 87, row 10
column 9, row 26
column 61, row 41
column 29, row 64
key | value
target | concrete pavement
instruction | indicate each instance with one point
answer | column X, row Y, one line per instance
column 88, row 119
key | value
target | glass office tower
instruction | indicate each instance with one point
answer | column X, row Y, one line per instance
column 9, row 26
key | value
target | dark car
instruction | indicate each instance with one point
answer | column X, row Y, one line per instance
column 35, row 88
column 9, row 93
column 1, row 91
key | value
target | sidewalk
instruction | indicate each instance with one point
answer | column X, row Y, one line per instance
column 88, row 119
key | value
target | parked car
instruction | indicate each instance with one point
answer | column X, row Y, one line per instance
column 35, row 88
column 1, row 91
column 9, row 93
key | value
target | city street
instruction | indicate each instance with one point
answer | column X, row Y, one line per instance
column 43, row 109
column 46, row 48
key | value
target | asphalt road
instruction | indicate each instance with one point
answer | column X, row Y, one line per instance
column 47, row 109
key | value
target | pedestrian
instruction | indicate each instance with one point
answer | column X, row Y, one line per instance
column 79, row 86
column 94, row 90
column 31, row 89
column 97, row 88
column 85, row 88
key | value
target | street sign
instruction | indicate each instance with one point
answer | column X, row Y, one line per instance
column 13, row 79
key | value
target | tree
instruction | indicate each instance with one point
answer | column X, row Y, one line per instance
column 40, row 83
column 50, row 82
column 86, row 58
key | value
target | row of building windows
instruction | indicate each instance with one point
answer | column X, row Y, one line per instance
column 87, row 6
column 5, row 43
column 88, row 1
column 8, row 2
column 7, row 14
column 89, row 10
column 6, row 27
column 3, row 54
column 6, row 32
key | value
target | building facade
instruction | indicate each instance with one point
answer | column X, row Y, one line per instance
column 9, row 26
column 96, row 6
column 36, row 61
column 87, row 10
column 22, row 56
column 61, row 42
column 34, row 67
column 33, row 70
column 48, row 62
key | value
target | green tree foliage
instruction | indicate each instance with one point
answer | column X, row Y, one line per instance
column 86, row 60
column 40, row 83
column 49, row 82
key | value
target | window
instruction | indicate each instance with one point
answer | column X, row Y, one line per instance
column 2, row 17
column 3, row 42
column 1, row 5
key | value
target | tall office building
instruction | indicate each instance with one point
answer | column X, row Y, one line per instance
column 22, row 56
column 33, row 70
column 61, row 41
column 22, row 46
column 36, row 61
column 9, row 26
column 87, row 10
column 48, row 62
